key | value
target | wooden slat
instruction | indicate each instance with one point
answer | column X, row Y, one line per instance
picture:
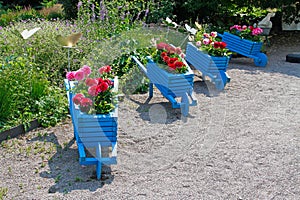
column 95, row 140
column 97, row 129
column 208, row 65
column 242, row 46
column 175, row 84
column 93, row 161
column 204, row 61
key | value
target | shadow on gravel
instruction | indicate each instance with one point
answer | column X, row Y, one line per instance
column 206, row 88
column 163, row 111
column 64, row 168
column 276, row 64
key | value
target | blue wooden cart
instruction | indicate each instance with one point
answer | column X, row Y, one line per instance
column 170, row 85
column 213, row 67
column 94, row 134
column 246, row 48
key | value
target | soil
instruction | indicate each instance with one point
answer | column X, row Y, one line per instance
column 241, row 143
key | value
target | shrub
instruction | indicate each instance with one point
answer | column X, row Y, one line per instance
column 219, row 13
column 13, row 3
column 70, row 8
column 159, row 10
column 11, row 16
column 52, row 12
column 42, row 48
column 25, row 93
column 5, row 104
column 48, row 3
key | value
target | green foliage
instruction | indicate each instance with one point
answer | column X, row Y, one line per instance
column 154, row 11
column 133, row 80
column 52, row 12
column 18, row 14
column 288, row 10
column 27, row 95
column 26, row 3
column 52, row 107
column 5, row 103
column 220, row 13
column 159, row 10
column 38, row 87
column 16, row 77
column 291, row 12
column 70, row 8
column 3, row 192
column 42, row 48
column 108, row 18
column 48, row 3
column 2, row 8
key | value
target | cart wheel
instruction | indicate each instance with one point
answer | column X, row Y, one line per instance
column 261, row 60
column 222, row 80
column 184, row 105
column 220, row 85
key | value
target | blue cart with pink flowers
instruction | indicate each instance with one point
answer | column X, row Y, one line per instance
column 246, row 48
column 94, row 134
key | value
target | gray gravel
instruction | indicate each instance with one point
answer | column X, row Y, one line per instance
column 242, row 143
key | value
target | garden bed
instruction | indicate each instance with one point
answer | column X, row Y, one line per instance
column 18, row 130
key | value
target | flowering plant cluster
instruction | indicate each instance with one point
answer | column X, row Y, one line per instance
column 93, row 95
column 209, row 43
column 247, row 32
column 170, row 56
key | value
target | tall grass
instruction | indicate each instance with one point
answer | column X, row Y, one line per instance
column 5, row 104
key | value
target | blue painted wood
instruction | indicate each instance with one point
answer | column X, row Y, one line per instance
column 94, row 131
column 99, row 164
column 213, row 67
column 245, row 47
column 151, row 90
column 170, row 85
column 236, row 44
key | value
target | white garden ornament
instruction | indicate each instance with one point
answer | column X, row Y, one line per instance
column 27, row 34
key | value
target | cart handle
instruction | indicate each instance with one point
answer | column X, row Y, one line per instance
column 140, row 64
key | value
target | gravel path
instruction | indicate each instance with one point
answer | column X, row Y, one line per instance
column 242, row 143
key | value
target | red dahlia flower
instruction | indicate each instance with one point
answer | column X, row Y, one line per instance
column 222, row 45
column 90, row 82
column 77, row 98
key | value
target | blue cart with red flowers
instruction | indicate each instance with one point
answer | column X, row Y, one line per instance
column 170, row 85
column 210, row 66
